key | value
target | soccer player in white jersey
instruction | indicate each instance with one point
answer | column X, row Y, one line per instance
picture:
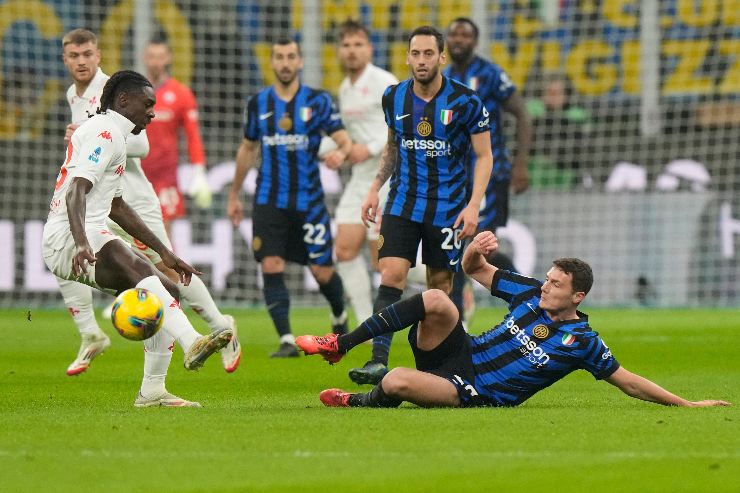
column 79, row 246
column 82, row 59
column 360, row 97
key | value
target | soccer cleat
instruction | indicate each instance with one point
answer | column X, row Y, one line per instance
column 326, row 346
column 372, row 373
column 339, row 324
column 335, row 398
column 286, row 350
column 89, row 349
column 205, row 346
column 231, row 354
column 163, row 400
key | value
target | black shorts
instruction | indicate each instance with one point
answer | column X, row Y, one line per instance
column 301, row 237
column 453, row 361
column 441, row 248
column 494, row 212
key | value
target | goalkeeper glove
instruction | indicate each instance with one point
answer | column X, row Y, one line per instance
column 199, row 190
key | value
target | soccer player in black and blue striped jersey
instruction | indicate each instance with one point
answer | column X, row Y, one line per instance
column 542, row 339
column 285, row 123
column 434, row 123
column 499, row 94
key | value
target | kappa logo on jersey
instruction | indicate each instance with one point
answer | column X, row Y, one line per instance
column 306, row 113
column 95, row 156
column 121, row 168
column 106, row 135
column 93, row 101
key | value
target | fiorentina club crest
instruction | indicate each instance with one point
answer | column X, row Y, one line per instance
column 473, row 83
column 306, row 113
column 445, row 116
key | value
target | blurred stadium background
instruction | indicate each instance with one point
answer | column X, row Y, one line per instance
column 638, row 174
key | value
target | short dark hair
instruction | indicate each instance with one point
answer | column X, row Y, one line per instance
column 121, row 82
column 429, row 31
column 351, row 26
column 160, row 39
column 580, row 271
column 469, row 21
column 284, row 41
column 79, row 37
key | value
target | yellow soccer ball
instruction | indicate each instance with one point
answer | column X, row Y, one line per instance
column 137, row 314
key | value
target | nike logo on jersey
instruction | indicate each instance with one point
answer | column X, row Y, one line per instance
column 264, row 116
column 315, row 254
column 454, row 262
column 531, row 307
column 401, row 117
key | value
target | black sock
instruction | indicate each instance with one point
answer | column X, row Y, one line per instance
column 390, row 319
column 277, row 300
column 333, row 291
column 382, row 343
column 456, row 295
column 375, row 398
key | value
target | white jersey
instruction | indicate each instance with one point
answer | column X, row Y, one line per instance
column 96, row 152
column 361, row 108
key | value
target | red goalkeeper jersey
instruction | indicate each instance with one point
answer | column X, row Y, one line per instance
column 175, row 108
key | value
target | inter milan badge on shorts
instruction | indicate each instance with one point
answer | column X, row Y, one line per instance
column 256, row 243
column 541, row 331
column 424, row 128
column 285, row 123
column 381, row 240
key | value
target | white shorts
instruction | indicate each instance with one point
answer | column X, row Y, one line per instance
column 139, row 194
column 349, row 209
column 59, row 250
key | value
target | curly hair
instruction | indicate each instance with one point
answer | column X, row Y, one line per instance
column 120, row 82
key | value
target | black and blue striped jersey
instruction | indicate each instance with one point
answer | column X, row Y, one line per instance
column 494, row 87
column 433, row 138
column 290, row 133
column 528, row 351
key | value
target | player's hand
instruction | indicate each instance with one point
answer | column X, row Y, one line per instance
column 83, row 257
column 69, row 131
column 334, row 159
column 358, row 153
column 519, row 178
column 709, row 403
column 235, row 210
column 485, row 243
column 469, row 219
column 177, row 264
column 369, row 212
column 199, row 190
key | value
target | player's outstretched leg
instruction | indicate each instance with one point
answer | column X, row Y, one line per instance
column 79, row 301
column 157, row 357
column 375, row 398
column 390, row 319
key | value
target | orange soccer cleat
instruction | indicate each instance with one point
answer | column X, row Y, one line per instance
column 326, row 346
column 335, row 398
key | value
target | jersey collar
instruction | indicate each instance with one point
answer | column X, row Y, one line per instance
column 124, row 124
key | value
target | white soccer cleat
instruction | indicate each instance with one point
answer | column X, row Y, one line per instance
column 205, row 346
column 231, row 354
column 163, row 400
column 89, row 349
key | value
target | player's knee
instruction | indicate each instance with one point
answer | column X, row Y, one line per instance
column 272, row 265
column 393, row 278
column 322, row 274
column 397, row 382
column 345, row 253
column 437, row 302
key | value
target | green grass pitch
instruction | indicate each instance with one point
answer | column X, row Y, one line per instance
column 264, row 429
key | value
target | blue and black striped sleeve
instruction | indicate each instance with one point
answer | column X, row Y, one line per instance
column 331, row 120
column 251, row 125
column 387, row 103
column 506, row 285
column 597, row 359
column 477, row 118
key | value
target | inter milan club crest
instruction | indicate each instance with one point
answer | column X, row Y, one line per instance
column 541, row 331
column 306, row 113
column 285, row 123
column 445, row 116
column 424, row 128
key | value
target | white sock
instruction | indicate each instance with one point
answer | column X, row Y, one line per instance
column 356, row 280
column 290, row 338
column 79, row 301
column 175, row 322
column 418, row 275
column 157, row 356
column 200, row 300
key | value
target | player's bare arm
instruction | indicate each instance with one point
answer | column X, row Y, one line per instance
column 483, row 165
column 76, row 198
column 520, row 175
column 388, row 163
column 246, row 158
column 641, row 388
column 474, row 259
column 130, row 221
column 335, row 158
